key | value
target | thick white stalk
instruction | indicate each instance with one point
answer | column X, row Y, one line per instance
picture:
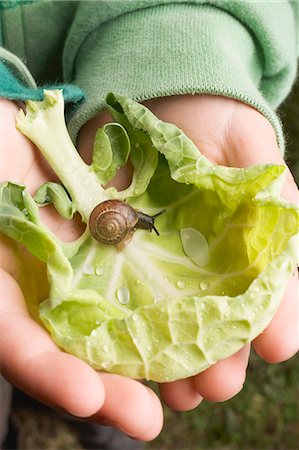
column 45, row 126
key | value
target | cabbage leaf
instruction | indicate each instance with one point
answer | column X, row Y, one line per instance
column 164, row 307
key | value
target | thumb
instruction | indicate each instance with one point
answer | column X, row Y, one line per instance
column 31, row 361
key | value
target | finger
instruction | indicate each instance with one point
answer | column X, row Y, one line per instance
column 280, row 340
column 31, row 361
column 244, row 148
column 16, row 147
column 224, row 379
column 130, row 406
column 180, row 395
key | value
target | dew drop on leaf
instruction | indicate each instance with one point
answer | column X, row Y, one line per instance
column 123, row 295
column 181, row 284
column 88, row 269
column 195, row 246
column 99, row 270
column 203, row 286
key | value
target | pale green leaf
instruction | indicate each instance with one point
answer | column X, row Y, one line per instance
column 163, row 307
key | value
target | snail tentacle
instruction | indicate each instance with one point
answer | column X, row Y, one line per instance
column 113, row 222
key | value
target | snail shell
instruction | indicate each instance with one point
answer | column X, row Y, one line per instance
column 112, row 221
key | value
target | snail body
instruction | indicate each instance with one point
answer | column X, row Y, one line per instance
column 113, row 222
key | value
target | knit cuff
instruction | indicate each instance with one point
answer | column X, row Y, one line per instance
column 17, row 83
column 168, row 50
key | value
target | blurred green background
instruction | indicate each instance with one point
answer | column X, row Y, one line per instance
column 289, row 113
column 265, row 414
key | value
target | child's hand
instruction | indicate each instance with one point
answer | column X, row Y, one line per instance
column 230, row 133
column 29, row 358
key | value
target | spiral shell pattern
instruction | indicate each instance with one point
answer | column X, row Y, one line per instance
column 111, row 221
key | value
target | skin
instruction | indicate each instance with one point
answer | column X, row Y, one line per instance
column 228, row 132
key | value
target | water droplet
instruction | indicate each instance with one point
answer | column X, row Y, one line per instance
column 106, row 348
column 105, row 364
column 203, row 286
column 195, row 246
column 25, row 212
column 99, row 270
column 181, row 284
column 223, row 215
column 285, row 265
column 148, row 347
column 123, row 295
column 135, row 317
column 88, row 269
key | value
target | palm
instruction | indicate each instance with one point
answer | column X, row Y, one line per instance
column 230, row 133
column 29, row 358
column 222, row 130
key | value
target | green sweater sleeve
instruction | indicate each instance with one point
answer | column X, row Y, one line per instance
column 242, row 49
column 146, row 49
column 31, row 34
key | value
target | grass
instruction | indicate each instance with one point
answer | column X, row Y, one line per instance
column 264, row 415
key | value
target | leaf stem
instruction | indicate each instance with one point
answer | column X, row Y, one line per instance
column 45, row 126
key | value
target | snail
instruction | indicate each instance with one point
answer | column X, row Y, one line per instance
column 113, row 222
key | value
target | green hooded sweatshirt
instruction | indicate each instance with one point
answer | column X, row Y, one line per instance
column 144, row 49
